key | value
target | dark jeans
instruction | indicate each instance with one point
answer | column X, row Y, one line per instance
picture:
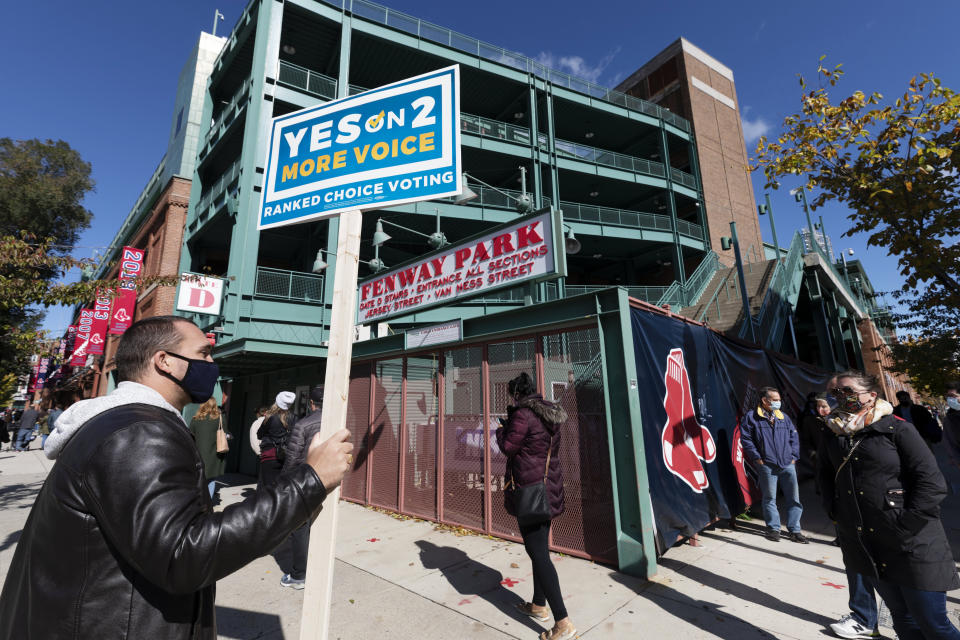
column 863, row 601
column 918, row 615
column 300, row 544
column 546, row 584
column 22, row 443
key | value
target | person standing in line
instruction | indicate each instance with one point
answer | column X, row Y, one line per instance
column 4, row 428
column 883, row 488
column 918, row 416
column 28, row 422
column 951, row 421
column 122, row 540
column 254, row 427
column 204, row 427
column 771, row 445
column 273, row 437
column 52, row 416
column 300, row 436
column 530, row 439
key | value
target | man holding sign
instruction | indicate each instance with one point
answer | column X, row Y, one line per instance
column 393, row 145
column 141, row 546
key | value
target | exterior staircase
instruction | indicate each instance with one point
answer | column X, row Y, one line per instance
column 719, row 305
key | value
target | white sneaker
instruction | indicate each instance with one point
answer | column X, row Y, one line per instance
column 847, row 627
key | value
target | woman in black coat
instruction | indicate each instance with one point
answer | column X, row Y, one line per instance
column 273, row 437
column 882, row 486
column 531, row 441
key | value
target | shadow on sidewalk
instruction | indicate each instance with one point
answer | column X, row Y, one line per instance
column 20, row 496
column 712, row 618
column 472, row 578
column 242, row 624
column 713, row 536
column 744, row 592
column 11, row 540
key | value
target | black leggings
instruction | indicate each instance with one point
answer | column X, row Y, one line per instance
column 546, row 584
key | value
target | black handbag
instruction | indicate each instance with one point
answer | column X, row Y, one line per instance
column 529, row 504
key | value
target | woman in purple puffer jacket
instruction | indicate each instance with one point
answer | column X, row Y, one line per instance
column 532, row 429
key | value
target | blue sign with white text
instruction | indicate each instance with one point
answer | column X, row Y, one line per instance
column 396, row 144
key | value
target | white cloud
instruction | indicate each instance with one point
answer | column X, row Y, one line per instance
column 753, row 129
column 576, row 65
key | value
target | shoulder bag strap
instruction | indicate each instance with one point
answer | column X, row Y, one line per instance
column 546, row 469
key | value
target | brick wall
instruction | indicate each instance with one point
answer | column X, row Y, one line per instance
column 161, row 237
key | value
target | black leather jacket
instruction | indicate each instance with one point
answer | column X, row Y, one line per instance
column 298, row 443
column 139, row 547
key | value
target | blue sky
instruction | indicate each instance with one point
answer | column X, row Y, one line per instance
column 102, row 75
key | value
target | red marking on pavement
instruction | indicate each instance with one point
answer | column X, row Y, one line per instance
column 509, row 582
column 835, row 586
column 374, row 540
column 464, row 601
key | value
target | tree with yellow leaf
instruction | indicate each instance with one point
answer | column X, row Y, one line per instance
column 896, row 166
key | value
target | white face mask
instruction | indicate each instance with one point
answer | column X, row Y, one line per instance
column 953, row 403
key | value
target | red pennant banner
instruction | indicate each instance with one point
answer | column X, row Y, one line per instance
column 82, row 341
column 98, row 329
column 32, row 385
column 131, row 266
column 42, row 372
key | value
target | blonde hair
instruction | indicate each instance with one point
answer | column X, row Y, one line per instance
column 209, row 409
column 285, row 415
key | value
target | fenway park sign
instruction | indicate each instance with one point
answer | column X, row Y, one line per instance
column 529, row 249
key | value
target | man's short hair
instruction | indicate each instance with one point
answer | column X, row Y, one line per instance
column 952, row 386
column 143, row 339
column 316, row 395
column 766, row 391
column 903, row 395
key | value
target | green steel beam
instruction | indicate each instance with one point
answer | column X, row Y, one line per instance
column 636, row 548
column 679, row 273
column 245, row 240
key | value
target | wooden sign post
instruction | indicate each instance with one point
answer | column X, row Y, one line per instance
column 315, row 617
column 335, row 159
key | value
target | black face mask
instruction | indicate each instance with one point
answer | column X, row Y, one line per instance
column 200, row 378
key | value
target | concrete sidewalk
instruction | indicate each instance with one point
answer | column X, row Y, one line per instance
column 403, row 578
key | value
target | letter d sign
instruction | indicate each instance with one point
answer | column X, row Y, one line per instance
column 200, row 298
column 200, row 294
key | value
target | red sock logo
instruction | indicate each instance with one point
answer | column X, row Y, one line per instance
column 685, row 441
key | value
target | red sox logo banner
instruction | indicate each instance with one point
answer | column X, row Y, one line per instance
column 131, row 267
column 98, row 328
column 687, row 444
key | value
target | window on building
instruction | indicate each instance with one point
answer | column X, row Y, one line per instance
column 179, row 121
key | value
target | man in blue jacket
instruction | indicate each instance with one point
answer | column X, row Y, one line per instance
column 771, row 444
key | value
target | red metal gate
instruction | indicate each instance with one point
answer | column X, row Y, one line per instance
column 421, row 424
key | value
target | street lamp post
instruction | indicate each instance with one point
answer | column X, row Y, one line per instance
column 735, row 242
column 767, row 209
column 800, row 195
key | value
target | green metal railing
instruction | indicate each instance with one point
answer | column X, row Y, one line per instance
column 494, row 129
column 289, row 285
column 620, row 217
column 784, row 283
column 647, row 294
column 441, row 35
column 216, row 190
column 683, row 178
column 679, row 295
column 572, row 150
column 310, row 81
column 229, row 113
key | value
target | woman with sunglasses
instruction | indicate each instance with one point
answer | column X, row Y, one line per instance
column 882, row 486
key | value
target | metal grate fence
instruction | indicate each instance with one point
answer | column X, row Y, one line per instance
column 423, row 426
